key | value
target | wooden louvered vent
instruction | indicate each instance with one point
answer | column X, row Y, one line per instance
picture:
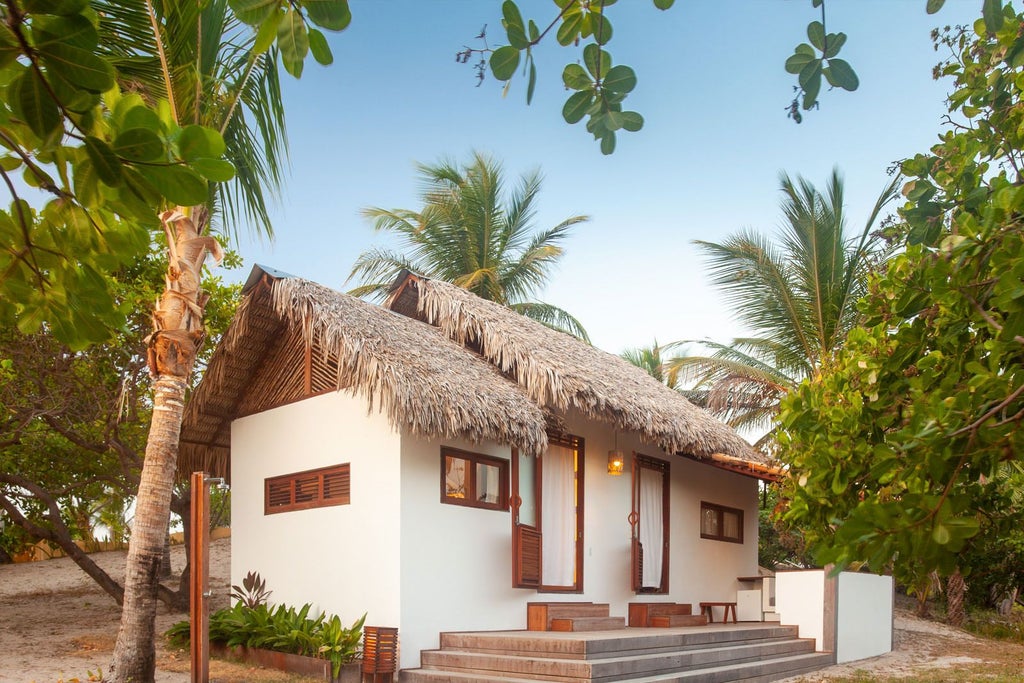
column 310, row 489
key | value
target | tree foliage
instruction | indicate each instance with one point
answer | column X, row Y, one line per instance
column 896, row 449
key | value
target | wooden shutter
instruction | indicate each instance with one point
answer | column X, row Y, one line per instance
column 309, row 489
column 526, row 539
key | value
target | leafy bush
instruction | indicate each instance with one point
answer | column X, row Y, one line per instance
column 282, row 629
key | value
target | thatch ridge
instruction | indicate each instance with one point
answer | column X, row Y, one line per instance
column 560, row 372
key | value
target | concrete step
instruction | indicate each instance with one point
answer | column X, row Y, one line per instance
column 608, row 669
column 670, row 620
column 588, row 624
column 612, row 644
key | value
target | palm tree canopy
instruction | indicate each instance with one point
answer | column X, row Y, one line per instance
column 796, row 293
column 474, row 234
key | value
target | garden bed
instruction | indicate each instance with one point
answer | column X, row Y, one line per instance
column 282, row 661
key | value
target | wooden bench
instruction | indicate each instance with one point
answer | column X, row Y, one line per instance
column 663, row 614
column 570, row 616
column 707, row 608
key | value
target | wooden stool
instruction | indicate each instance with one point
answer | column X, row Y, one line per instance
column 707, row 607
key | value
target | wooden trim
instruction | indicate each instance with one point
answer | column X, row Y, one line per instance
column 199, row 582
column 470, row 498
column 322, row 487
column 720, row 509
column 646, row 462
column 527, row 541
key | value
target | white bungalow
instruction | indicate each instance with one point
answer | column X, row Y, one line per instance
column 440, row 462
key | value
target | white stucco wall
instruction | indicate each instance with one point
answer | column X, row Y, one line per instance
column 800, row 601
column 864, row 624
column 344, row 559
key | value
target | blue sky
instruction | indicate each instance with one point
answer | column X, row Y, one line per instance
column 713, row 92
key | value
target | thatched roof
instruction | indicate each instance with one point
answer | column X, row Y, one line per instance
column 439, row 362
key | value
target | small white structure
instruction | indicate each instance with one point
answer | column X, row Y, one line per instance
column 441, row 461
column 850, row 614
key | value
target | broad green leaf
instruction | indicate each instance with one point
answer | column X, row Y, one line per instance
column 253, row 12
column 597, row 60
column 139, row 144
column 319, row 47
column 816, row 34
column 510, row 12
column 575, row 78
column 992, row 12
column 293, row 42
column 608, row 144
column 86, row 184
column 58, row 7
column 934, row 6
column 80, row 67
column 266, row 35
column 214, row 170
column 178, row 184
column 569, row 29
column 576, row 106
column 534, row 31
column 613, row 120
column 104, row 161
column 200, row 142
column 632, row 121
column 664, row 4
column 940, row 534
column 810, row 72
column 514, row 27
column 835, row 43
column 73, row 30
column 812, row 88
column 333, row 15
column 10, row 163
column 31, row 101
column 73, row 99
column 532, row 83
column 504, row 62
column 797, row 61
column 141, row 116
column 601, row 27
column 620, row 79
column 841, row 75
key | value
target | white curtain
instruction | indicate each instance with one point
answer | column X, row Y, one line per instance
column 558, row 517
column 652, row 531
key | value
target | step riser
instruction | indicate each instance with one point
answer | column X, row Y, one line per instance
column 588, row 624
column 567, row 646
column 601, row 670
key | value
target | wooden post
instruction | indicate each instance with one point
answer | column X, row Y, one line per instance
column 199, row 592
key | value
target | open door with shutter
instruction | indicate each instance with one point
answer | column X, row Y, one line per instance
column 649, row 525
column 526, row 535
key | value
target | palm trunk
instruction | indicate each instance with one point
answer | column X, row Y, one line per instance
column 171, row 355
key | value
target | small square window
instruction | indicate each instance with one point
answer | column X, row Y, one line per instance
column 473, row 480
column 719, row 523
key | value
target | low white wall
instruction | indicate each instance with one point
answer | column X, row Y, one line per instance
column 863, row 611
column 800, row 601
column 864, row 616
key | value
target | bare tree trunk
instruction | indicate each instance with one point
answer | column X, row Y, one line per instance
column 165, row 556
column 956, row 590
column 171, row 354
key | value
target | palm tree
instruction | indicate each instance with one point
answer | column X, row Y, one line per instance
column 202, row 62
column 649, row 359
column 470, row 234
column 797, row 294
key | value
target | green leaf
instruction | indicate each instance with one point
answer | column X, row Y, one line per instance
column 178, row 184
column 632, row 121
column 319, row 47
column 215, row 170
column 200, row 142
column 253, row 12
column 504, row 62
column 58, row 7
column 80, row 67
column 576, row 106
column 266, row 35
column 620, row 79
column 575, row 78
column 816, row 34
column 104, row 161
column 514, row 27
column 835, row 42
column 333, row 15
column 597, row 60
column 601, row 27
column 293, row 42
column 934, row 6
column 664, row 4
column 532, row 83
column 608, row 144
column 940, row 534
column 32, row 103
column 139, row 144
column 73, row 30
column 798, row 60
column 841, row 75
column 569, row 29
column 534, row 31
column 992, row 12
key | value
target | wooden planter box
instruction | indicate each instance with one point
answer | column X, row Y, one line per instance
column 282, row 661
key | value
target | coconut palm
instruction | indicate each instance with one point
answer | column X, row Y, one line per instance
column 797, row 294
column 471, row 234
column 199, row 62
column 649, row 359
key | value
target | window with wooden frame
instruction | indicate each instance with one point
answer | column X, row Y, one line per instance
column 304, row 490
column 720, row 523
column 649, row 521
column 473, row 480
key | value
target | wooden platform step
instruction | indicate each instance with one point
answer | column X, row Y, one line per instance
column 540, row 615
column 641, row 613
column 671, row 620
column 588, row 624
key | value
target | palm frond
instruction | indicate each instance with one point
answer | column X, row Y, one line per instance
column 553, row 317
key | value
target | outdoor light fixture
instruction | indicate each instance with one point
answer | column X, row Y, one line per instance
column 616, row 461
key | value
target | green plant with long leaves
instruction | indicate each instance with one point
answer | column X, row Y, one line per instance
column 796, row 293
column 474, row 235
